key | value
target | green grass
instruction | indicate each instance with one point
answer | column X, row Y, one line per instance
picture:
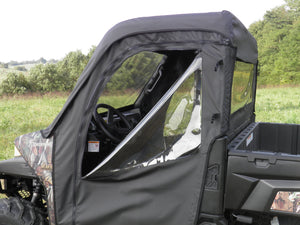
column 278, row 105
column 21, row 115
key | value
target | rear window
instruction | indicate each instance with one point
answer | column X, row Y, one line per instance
column 242, row 92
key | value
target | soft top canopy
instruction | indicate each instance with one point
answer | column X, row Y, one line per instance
column 223, row 23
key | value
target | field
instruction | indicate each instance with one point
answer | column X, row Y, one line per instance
column 20, row 115
column 279, row 105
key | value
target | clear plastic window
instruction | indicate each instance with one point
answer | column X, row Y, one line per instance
column 182, row 129
column 242, row 85
column 128, row 81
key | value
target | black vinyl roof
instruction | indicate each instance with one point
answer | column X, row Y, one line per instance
column 223, row 22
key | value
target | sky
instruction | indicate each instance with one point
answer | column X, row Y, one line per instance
column 31, row 29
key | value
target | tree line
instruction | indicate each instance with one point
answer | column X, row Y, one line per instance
column 278, row 40
column 48, row 77
column 21, row 64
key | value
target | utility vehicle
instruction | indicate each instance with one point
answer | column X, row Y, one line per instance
column 159, row 129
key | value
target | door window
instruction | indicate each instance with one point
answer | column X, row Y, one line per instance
column 154, row 119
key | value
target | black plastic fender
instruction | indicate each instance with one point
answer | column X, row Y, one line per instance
column 16, row 167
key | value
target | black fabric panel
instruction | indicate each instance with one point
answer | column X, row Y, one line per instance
column 222, row 22
column 213, row 98
column 213, row 89
column 166, row 193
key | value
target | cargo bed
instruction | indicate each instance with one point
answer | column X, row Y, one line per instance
column 263, row 160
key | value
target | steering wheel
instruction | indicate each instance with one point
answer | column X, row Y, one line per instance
column 111, row 129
